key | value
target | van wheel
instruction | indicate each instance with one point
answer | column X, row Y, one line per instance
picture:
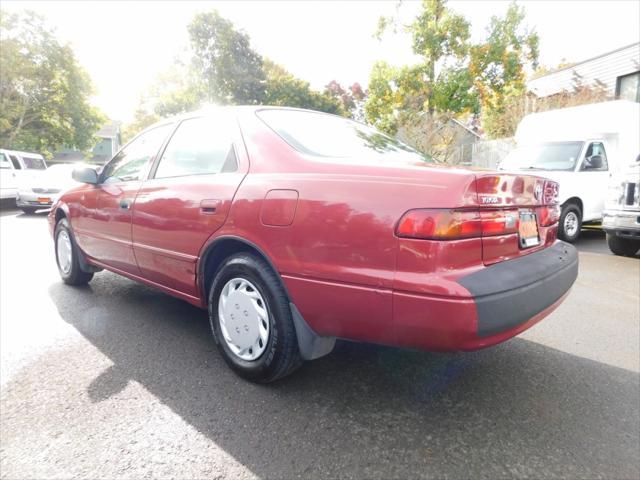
column 626, row 247
column 251, row 320
column 67, row 256
column 570, row 223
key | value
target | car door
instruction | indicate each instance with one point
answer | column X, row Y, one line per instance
column 109, row 227
column 594, row 177
column 186, row 199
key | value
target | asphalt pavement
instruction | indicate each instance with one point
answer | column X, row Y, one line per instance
column 117, row 380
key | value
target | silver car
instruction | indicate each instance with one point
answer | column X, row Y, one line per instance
column 41, row 191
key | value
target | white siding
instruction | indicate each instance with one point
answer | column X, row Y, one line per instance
column 605, row 68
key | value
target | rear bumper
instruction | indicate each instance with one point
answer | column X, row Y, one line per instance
column 504, row 300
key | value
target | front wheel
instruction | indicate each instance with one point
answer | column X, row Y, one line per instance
column 67, row 256
column 570, row 223
column 626, row 247
column 251, row 320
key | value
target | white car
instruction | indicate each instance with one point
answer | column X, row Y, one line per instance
column 15, row 167
column 41, row 192
column 581, row 148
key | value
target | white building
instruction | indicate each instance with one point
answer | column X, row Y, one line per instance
column 617, row 71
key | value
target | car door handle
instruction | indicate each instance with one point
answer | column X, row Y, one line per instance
column 209, row 207
column 125, row 204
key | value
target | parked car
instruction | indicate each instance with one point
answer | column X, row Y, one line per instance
column 41, row 192
column 295, row 228
column 581, row 148
column 15, row 167
column 621, row 218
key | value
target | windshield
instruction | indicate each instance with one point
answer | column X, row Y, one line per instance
column 34, row 163
column 323, row 135
column 544, row 156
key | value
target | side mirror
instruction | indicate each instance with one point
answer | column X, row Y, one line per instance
column 594, row 162
column 85, row 175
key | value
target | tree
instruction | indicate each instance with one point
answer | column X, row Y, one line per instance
column 44, row 93
column 499, row 64
column 232, row 71
column 142, row 118
column 284, row 89
column 352, row 98
column 440, row 83
column 224, row 69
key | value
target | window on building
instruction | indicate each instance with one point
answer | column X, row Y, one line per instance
column 628, row 87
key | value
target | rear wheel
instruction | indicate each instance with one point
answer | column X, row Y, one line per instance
column 251, row 320
column 67, row 256
column 570, row 223
column 29, row 210
column 626, row 247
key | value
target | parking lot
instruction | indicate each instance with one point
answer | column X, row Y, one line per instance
column 119, row 380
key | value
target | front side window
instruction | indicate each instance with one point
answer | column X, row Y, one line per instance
column 323, row 135
column 595, row 158
column 34, row 163
column 199, row 146
column 4, row 161
column 130, row 162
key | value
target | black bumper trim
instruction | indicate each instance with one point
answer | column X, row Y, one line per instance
column 512, row 292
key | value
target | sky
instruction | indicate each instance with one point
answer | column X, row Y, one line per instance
column 124, row 45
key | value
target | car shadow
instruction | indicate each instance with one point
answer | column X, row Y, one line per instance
column 519, row 409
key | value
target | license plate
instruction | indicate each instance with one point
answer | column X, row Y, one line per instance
column 44, row 200
column 528, row 230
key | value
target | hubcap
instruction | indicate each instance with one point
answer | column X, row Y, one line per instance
column 244, row 319
column 64, row 251
column 571, row 224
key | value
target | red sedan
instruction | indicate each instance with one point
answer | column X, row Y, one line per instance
column 294, row 228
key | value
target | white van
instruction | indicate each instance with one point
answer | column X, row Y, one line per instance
column 581, row 148
column 15, row 167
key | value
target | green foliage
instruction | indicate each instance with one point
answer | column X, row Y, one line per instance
column 453, row 77
column 397, row 95
column 224, row 69
column 44, row 93
column 498, row 65
column 142, row 119
column 283, row 89
column 232, row 71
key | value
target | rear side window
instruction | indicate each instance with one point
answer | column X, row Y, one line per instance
column 34, row 163
column 4, row 161
column 199, row 146
column 323, row 135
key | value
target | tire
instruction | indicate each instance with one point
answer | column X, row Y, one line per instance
column 626, row 247
column 242, row 275
column 28, row 210
column 570, row 223
column 69, row 269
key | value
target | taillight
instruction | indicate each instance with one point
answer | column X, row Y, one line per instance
column 454, row 224
column 439, row 224
column 550, row 193
column 499, row 222
column 549, row 215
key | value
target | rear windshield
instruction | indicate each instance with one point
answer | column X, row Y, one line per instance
column 324, row 135
column 34, row 163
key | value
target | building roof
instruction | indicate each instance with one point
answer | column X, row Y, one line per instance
column 109, row 130
column 603, row 69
